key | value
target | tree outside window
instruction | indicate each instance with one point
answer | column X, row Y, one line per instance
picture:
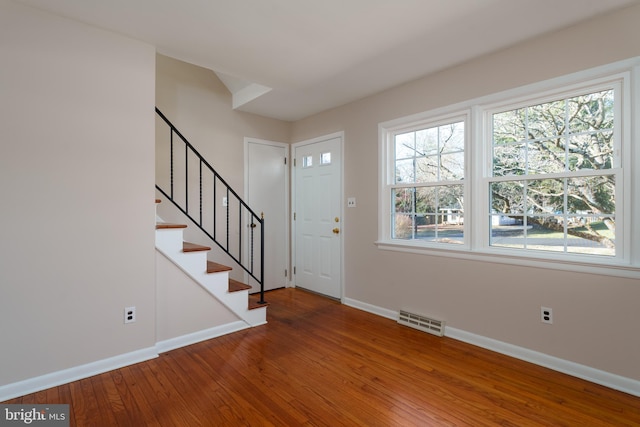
column 553, row 183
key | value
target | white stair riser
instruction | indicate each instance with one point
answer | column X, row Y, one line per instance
column 169, row 239
column 256, row 317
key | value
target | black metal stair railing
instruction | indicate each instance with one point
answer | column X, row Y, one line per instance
column 178, row 165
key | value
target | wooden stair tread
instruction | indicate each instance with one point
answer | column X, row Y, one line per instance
column 235, row 286
column 165, row 225
column 192, row 247
column 214, row 267
column 158, row 200
column 253, row 302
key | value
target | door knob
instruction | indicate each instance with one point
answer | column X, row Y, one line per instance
column 336, row 230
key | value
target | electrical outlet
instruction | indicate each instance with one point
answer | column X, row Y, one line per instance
column 129, row 314
column 546, row 315
column 351, row 202
column 225, row 202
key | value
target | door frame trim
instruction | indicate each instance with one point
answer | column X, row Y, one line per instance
column 287, row 199
column 292, row 191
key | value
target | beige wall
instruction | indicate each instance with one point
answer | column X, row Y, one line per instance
column 184, row 307
column 596, row 318
column 76, row 179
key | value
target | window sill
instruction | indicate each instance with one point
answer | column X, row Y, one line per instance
column 507, row 257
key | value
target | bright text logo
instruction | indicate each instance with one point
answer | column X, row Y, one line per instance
column 37, row 415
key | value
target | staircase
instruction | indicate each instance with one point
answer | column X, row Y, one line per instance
column 193, row 186
column 192, row 260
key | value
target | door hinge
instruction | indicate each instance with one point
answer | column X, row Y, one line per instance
column 285, row 272
column 294, row 270
column 285, row 160
column 294, row 162
column 294, row 216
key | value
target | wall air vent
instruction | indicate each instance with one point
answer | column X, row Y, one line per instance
column 426, row 324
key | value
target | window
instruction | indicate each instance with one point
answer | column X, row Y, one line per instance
column 325, row 158
column 539, row 175
column 554, row 172
column 428, row 187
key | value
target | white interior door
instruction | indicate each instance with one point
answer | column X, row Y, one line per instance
column 318, row 216
column 267, row 189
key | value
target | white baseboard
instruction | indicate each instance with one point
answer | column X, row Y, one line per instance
column 389, row 314
column 195, row 337
column 593, row 375
column 64, row 376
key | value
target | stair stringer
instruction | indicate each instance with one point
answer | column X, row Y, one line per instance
column 169, row 242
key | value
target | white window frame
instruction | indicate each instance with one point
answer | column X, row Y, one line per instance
column 478, row 169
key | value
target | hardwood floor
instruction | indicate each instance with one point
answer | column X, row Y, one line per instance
column 319, row 363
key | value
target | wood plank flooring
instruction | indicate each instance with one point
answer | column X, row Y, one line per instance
column 319, row 363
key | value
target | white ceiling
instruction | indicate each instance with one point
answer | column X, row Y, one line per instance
column 300, row 57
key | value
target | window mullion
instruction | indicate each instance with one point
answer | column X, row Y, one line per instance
column 565, row 218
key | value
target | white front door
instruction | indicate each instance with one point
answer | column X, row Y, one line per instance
column 318, row 215
column 267, row 192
